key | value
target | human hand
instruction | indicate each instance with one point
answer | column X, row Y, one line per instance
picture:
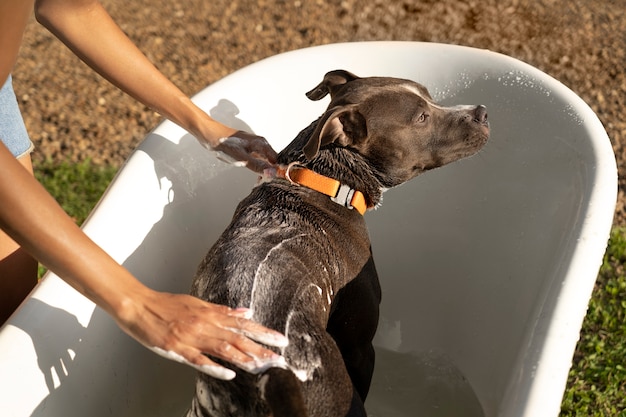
column 184, row 328
column 246, row 149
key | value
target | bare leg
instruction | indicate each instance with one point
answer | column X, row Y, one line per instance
column 18, row 270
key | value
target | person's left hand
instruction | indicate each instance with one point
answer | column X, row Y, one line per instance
column 185, row 329
column 246, row 149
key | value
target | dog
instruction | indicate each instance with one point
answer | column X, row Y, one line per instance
column 298, row 254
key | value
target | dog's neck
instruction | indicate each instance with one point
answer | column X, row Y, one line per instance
column 336, row 162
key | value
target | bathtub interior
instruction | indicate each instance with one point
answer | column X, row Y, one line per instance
column 486, row 265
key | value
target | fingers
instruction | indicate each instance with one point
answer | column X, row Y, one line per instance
column 257, row 145
column 259, row 333
column 231, row 353
column 186, row 329
column 250, row 150
column 203, row 364
column 245, row 354
column 237, row 346
column 232, row 345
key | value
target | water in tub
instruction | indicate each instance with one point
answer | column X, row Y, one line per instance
column 419, row 384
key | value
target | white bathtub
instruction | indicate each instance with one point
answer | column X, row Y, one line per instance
column 486, row 265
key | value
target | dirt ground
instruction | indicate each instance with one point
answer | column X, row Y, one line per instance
column 71, row 113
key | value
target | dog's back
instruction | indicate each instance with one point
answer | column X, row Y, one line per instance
column 286, row 254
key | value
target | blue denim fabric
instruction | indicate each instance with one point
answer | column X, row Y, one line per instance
column 12, row 130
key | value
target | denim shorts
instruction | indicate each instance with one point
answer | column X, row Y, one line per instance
column 12, row 130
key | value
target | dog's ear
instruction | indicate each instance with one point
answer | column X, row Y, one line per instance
column 329, row 84
column 343, row 125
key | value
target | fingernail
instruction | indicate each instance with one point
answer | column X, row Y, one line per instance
column 269, row 172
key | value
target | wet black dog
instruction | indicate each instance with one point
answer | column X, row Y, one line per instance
column 297, row 251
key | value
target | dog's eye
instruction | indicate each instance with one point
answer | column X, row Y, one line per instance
column 422, row 118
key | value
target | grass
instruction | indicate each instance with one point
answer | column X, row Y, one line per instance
column 597, row 379
column 76, row 187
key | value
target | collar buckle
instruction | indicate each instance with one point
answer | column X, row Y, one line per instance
column 344, row 196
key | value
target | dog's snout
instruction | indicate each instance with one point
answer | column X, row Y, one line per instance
column 480, row 114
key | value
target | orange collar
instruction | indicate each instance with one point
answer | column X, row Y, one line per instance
column 338, row 192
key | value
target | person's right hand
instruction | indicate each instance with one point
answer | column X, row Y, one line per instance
column 184, row 328
column 246, row 149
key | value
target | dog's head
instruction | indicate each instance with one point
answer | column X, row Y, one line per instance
column 395, row 125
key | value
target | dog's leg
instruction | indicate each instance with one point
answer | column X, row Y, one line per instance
column 353, row 322
column 215, row 397
column 283, row 392
column 315, row 359
column 284, row 395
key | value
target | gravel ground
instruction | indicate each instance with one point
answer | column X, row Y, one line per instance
column 71, row 113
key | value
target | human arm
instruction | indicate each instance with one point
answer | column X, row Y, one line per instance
column 88, row 30
column 179, row 327
column 13, row 17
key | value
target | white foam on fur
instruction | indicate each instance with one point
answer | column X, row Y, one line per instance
column 215, row 371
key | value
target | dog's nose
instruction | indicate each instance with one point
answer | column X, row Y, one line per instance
column 480, row 114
